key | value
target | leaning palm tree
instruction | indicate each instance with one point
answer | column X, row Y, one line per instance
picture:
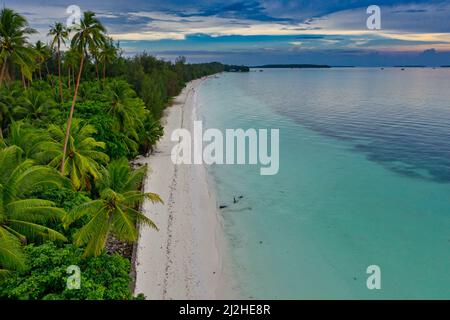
column 60, row 33
column 21, row 215
column 14, row 48
column 89, row 36
column 84, row 156
column 115, row 211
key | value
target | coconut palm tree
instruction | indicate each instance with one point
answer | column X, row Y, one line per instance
column 128, row 111
column 22, row 216
column 89, row 36
column 107, row 54
column 33, row 104
column 71, row 61
column 83, row 153
column 125, row 106
column 25, row 137
column 115, row 211
column 60, row 34
column 151, row 133
column 42, row 53
column 14, row 48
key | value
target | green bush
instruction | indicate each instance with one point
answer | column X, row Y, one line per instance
column 62, row 197
column 105, row 277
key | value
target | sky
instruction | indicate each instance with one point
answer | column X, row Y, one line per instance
column 260, row 32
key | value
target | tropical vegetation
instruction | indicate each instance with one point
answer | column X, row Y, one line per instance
column 73, row 112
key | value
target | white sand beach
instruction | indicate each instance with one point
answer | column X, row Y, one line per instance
column 182, row 260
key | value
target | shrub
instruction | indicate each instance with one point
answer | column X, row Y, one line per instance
column 105, row 277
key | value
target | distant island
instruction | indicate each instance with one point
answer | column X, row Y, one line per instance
column 233, row 68
column 291, row 66
column 413, row 66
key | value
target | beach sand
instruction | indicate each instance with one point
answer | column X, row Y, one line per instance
column 184, row 259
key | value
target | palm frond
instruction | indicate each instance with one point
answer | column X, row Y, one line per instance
column 11, row 254
column 124, row 226
column 33, row 230
column 94, row 233
column 141, row 218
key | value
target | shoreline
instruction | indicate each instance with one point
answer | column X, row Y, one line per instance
column 184, row 259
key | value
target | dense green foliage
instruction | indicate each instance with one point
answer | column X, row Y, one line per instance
column 69, row 123
column 102, row 277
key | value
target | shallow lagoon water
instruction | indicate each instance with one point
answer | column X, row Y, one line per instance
column 364, row 180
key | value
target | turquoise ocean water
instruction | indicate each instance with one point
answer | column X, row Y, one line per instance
column 364, row 180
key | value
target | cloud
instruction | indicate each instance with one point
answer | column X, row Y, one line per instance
column 275, row 27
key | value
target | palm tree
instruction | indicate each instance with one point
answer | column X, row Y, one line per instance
column 60, row 33
column 25, row 137
column 22, row 216
column 95, row 55
column 89, row 36
column 84, row 158
column 107, row 54
column 125, row 106
column 14, row 32
column 33, row 105
column 71, row 60
column 128, row 111
column 115, row 211
column 151, row 133
column 42, row 54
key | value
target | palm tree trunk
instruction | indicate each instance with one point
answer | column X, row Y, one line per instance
column 2, row 74
column 59, row 73
column 1, row 133
column 48, row 74
column 96, row 69
column 23, row 80
column 73, row 75
column 69, row 121
column 68, row 80
column 104, row 72
column 40, row 72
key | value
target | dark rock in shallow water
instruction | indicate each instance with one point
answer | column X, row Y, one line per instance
column 223, row 207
